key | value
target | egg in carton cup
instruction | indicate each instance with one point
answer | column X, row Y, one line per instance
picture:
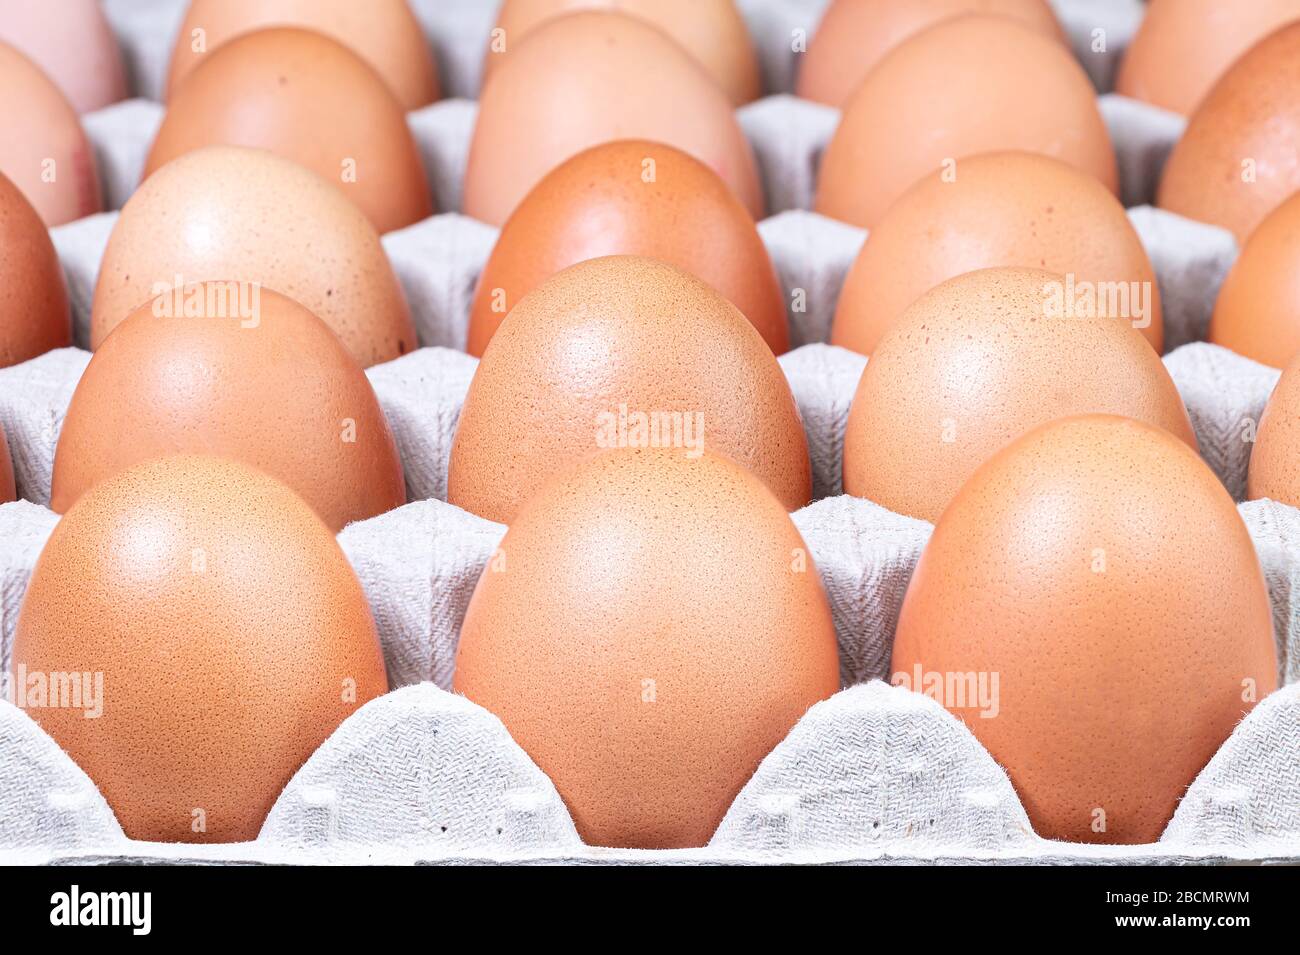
column 876, row 772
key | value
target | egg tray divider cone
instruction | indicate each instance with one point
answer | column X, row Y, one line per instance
column 876, row 773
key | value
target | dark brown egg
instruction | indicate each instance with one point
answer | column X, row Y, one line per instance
column 34, row 316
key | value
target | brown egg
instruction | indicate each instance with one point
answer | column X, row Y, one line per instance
column 971, row 84
column 638, row 198
column 975, row 363
column 307, row 98
column 1126, row 640
column 1002, row 209
column 854, row 35
column 73, row 44
column 1258, row 310
column 587, row 78
column 225, row 631
column 226, row 213
column 7, row 490
column 622, row 351
column 652, row 627
column 1275, row 459
column 711, row 31
column 34, row 316
column 1239, row 157
column 384, row 33
column 43, row 149
column 1183, row 46
column 238, row 371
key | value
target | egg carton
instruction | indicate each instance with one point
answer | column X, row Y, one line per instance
column 876, row 773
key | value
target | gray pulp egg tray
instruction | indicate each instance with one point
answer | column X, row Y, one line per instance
column 876, row 773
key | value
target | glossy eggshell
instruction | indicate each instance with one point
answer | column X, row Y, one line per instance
column 1127, row 640
column 604, row 202
column 1003, row 209
column 854, row 35
column 384, row 33
column 277, row 391
column 711, row 31
column 974, row 364
column 616, row 333
column 7, row 489
column 1274, row 470
column 73, row 44
column 43, row 149
column 310, row 99
column 591, row 77
column 1239, row 157
column 1257, row 313
column 232, row 635
column 652, row 633
column 227, row 213
column 34, row 315
column 1183, row 46
column 971, row 84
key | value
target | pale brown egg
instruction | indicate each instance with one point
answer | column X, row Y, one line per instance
column 219, row 626
column 308, row 98
column 1003, row 209
column 854, row 35
column 622, row 351
column 637, row 198
column 1239, row 157
column 652, row 629
column 591, row 77
column 227, row 213
column 240, row 371
column 1257, row 313
column 1098, row 641
column 7, row 490
column 73, row 44
column 968, row 85
column 1183, row 46
column 711, row 31
column 1275, row 459
column 975, row 363
column 43, row 149
column 384, row 33
column 34, row 315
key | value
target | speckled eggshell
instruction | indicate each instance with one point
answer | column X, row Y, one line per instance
column 975, row 363
column 43, row 149
column 310, row 99
column 276, row 390
column 73, row 44
column 227, row 213
column 970, row 84
column 232, row 635
column 653, row 628
column 711, row 31
column 384, row 33
column 639, row 198
column 1013, row 208
column 1127, row 640
column 8, row 492
column 34, row 316
column 603, row 341
column 1274, row 470
column 1183, row 46
column 1239, row 158
column 854, row 35
column 591, row 77
column 1257, row 313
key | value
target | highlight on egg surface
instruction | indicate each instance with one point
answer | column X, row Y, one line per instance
column 1119, row 654
column 654, row 636
column 631, row 197
column 310, row 99
column 222, row 636
column 226, row 213
column 980, row 360
column 73, row 45
column 622, row 351
column 34, row 313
